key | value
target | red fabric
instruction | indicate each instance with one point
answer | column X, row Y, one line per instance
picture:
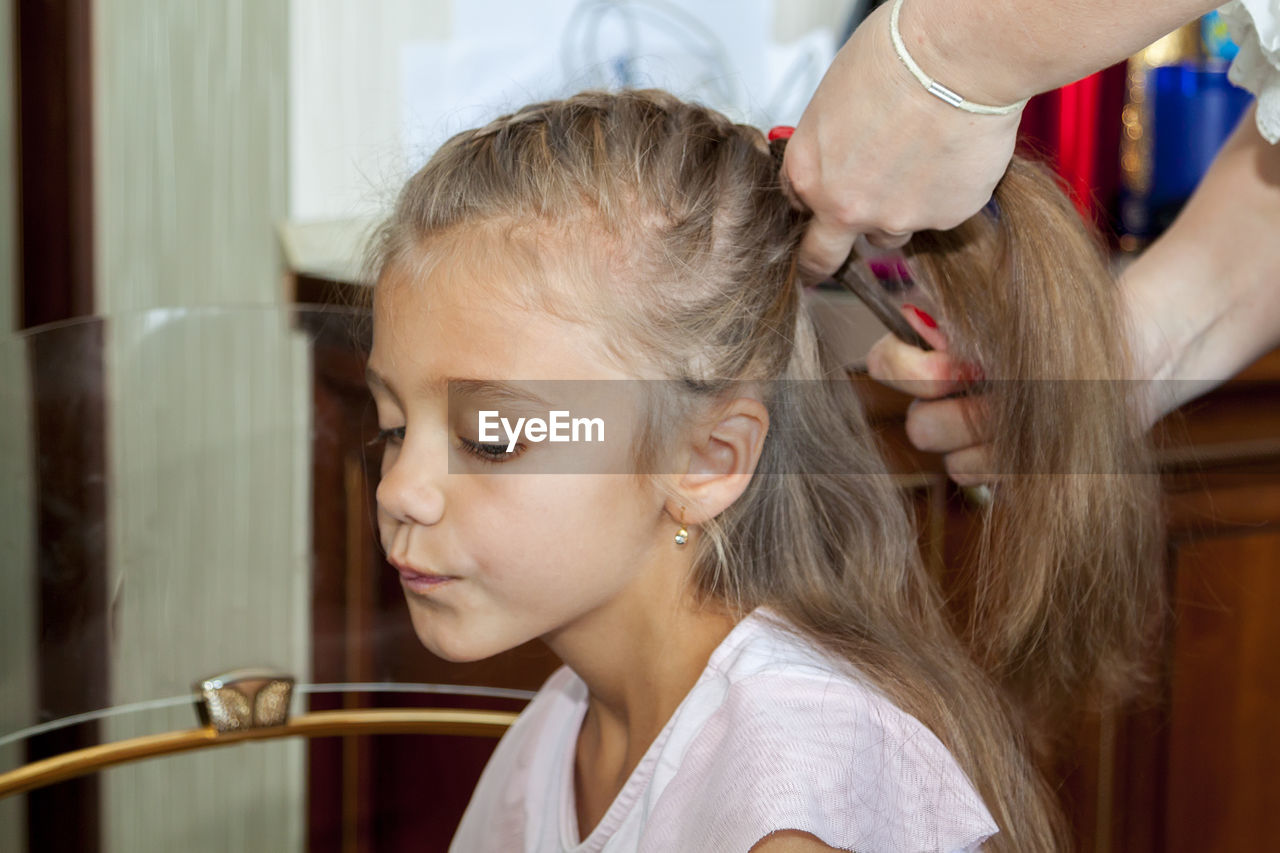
column 1076, row 129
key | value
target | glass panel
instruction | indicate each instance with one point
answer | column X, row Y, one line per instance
column 186, row 492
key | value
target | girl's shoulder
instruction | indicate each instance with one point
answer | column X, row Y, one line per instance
column 797, row 741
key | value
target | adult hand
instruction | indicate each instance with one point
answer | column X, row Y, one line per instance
column 936, row 422
column 1174, row 358
column 876, row 154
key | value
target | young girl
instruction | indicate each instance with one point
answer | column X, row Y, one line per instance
column 755, row 656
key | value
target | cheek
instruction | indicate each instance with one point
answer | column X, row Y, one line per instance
column 558, row 525
column 519, row 520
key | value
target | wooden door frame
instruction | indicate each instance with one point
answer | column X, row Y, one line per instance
column 53, row 105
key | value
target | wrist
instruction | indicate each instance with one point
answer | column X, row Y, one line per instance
column 1159, row 338
column 935, row 87
column 954, row 46
column 1182, row 303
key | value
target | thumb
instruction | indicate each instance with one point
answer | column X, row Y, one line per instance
column 823, row 249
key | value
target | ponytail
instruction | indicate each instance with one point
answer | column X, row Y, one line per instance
column 1061, row 599
column 1066, row 583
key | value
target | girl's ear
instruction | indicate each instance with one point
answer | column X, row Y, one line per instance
column 722, row 458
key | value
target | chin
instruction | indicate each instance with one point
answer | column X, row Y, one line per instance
column 456, row 646
column 456, row 653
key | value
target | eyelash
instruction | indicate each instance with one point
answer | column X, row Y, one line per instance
column 494, row 454
column 395, row 435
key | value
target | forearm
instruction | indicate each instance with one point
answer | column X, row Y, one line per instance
column 1001, row 51
column 1204, row 299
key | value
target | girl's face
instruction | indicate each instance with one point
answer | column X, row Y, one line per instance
column 495, row 553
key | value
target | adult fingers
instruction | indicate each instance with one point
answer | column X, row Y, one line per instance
column 946, row 426
column 825, row 245
column 914, row 371
column 970, row 466
column 888, row 239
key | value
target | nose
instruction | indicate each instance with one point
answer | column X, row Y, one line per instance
column 409, row 490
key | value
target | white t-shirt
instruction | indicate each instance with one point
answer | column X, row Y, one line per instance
column 772, row 736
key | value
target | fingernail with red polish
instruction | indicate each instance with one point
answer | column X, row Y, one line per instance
column 782, row 131
column 924, row 318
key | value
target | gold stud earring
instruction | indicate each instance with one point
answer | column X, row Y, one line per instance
column 682, row 535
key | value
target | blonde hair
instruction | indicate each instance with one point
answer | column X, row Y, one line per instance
column 684, row 207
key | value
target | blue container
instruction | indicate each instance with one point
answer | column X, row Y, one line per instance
column 1193, row 111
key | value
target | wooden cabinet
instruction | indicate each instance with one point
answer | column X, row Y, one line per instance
column 1197, row 768
column 1192, row 766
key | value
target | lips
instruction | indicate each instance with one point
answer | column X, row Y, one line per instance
column 418, row 580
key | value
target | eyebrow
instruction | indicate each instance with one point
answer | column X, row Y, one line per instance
column 496, row 389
